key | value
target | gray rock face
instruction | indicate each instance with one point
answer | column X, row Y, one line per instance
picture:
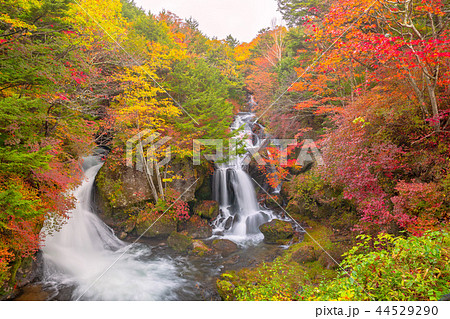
column 123, row 192
column 126, row 186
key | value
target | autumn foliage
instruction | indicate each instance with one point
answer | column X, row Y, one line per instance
column 368, row 80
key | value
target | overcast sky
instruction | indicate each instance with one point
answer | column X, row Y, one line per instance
column 240, row 18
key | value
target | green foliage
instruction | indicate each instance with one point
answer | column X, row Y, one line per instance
column 308, row 185
column 231, row 41
column 312, row 197
column 295, row 12
column 391, row 268
column 203, row 92
column 13, row 203
column 270, row 281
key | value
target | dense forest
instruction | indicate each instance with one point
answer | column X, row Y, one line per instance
column 368, row 81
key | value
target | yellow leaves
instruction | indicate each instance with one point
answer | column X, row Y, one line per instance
column 162, row 56
column 16, row 23
column 143, row 99
column 172, row 178
column 360, row 120
column 242, row 52
column 97, row 21
column 21, row 5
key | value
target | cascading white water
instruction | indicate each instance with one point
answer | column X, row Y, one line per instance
column 85, row 247
column 240, row 214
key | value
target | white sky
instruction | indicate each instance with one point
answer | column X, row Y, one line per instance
column 240, row 18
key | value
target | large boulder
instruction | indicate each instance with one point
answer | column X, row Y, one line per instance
column 277, row 232
column 151, row 226
column 208, row 209
column 179, row 242
column 200, row 249
column 121, row 187
column 332, row 257
column 124, row 186
column 224, row 247
column 121, row 192
column 196, row 227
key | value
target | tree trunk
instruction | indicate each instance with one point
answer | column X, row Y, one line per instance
column 147, row 171
column 431, row 87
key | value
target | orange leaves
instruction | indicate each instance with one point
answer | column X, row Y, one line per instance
column 242, row 52
column 435, row 7
column 5, row 257
column 277, row 164
column 328, row 109
column 306, row 104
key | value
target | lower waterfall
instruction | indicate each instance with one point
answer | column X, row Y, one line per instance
column 78, row 255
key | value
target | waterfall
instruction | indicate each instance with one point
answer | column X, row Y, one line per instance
column 79, row 253
column 240, row 214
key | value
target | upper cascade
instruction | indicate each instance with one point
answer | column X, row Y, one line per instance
column 240, row 214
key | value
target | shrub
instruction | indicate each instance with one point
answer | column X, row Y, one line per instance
column 391, row 268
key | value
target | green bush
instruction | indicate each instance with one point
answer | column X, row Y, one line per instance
column 391, row 268
column 270, row 281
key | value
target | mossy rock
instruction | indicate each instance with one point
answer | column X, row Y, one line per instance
column 277, row 232
column 200, row 249
column 317, row 234
column 196, row 227
column 274, row 202
column 318, row 246
column 121, row 187
column 179, row 242
column 332, row 257
column 302, row 264
column 153, row 227
column 208, row 209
